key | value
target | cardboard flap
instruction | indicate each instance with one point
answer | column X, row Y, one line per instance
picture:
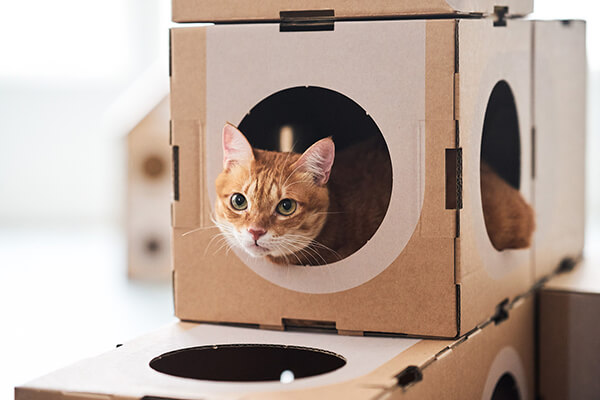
column 270, row 10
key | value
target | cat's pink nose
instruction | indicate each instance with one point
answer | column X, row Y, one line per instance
column 256, row 233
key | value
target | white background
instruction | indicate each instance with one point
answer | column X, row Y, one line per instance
column 74, row 77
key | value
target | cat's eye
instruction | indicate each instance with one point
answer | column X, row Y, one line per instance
column 286, row 207
column 239, row 202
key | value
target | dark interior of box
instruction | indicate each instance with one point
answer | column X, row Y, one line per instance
column 307, row 114
column 247, row 362
column 506, row 388
column 500, row 143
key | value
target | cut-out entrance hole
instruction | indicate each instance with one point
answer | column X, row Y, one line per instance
column 506, row 388
column 294, row 119
column 500, row 144
column 247, row 362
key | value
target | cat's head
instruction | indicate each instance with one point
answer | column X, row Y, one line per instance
column 270, row 203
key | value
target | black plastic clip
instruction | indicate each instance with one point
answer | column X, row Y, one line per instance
column 409, row 375
column 501, row 313
column 500, row 13
column 307, row 20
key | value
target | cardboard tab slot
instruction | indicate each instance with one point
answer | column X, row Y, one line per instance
column 306, row 20
column 303, row 324
column 453, row 179
column 176, row 173
column 247, row 362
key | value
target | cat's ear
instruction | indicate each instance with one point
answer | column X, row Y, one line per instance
column 318, row 160
column 236, row 149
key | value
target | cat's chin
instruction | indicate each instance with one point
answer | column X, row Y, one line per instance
column 257, row 251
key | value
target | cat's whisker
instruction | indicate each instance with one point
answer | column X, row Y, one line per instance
column 293, row 248
column 311, row 242
column 309, row 249
column 283, row 164
column 202, row 228
column 322, row 246
column 221, row 236
column 304, row 250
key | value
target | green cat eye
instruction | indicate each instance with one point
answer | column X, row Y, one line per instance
column 239, row 202
column 286, row 207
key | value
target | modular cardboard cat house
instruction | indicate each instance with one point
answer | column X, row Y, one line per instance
column 417, row 275
column 494, row 362
column 443, row 93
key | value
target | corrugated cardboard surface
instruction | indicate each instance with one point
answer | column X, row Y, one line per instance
column 235, row 10
column 462, row 369
column 230, row 291
column 416, row 294
column 488, row 55
column 384, row 77
column 560, row 128
column 149, row 194
column 569, row 334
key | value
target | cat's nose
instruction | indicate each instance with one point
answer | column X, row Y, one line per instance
column 256, row 233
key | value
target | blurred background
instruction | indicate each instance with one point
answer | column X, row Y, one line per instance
column 75, row 78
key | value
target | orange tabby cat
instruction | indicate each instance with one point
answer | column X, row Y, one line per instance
column 291, row 208
column 285, row 207
column 509, row 220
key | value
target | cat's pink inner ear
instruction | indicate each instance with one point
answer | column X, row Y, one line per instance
column 318, row 160
column 236, row 149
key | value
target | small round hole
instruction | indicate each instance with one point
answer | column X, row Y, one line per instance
column 506, row 388
column 152, row 245
column 247, row 362
column 153, row 166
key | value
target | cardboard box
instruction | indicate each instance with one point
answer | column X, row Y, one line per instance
column 559, row 122
column 494, row 360
column 427, row 85
column 275, row 10
column 569, row 334
column 149, row 194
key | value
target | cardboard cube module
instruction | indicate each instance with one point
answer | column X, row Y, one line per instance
column 439, row 92
column 275, row 10
column 569, row 334
column 559, row 124
column 495, row 361
column 149, row 188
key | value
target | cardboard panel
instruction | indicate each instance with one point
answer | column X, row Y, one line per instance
column 488, row 55
column 469, row 367
column 149, row 194
column 233, row 89
column 569, row 334
column 560, row 127
column 268, row 10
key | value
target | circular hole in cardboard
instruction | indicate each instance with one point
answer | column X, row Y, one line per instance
column 153, row 167
column 500, row 149
column 247, row 362
column 152, row 245
column 506, row 388
column 293, row 119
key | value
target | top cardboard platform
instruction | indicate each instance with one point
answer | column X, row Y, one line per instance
column 276, row 10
